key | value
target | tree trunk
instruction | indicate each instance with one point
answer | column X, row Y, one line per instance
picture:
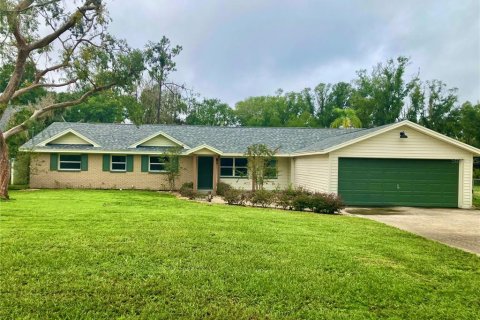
column 4, row 168
column 159, row 106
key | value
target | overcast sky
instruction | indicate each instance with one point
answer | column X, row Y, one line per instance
column 236, row 49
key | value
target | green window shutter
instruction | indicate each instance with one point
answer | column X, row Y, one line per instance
column 84, row 162
column 130, row 163
column 106, row 162
column 53, row 161
column 144, row 163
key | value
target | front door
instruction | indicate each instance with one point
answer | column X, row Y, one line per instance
column 205, row 173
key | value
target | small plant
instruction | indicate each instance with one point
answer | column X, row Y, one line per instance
column 263, row 198
column 172, row 166
column 186, row 190
column 235, row 197
column 223, row 187
column 261, row 164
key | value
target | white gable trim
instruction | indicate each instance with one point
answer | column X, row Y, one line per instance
column 407, row 123
column 160, row 133
column 204, row 146
column 61, row 134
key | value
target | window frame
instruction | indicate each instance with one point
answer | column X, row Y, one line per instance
column 117, row 162
column 275, row 165
column 69, row 169
column 234, row 168
column 160, row 163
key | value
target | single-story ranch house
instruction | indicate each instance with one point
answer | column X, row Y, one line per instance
column 398, row 164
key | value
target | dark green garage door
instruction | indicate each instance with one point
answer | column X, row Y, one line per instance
column 398, row 182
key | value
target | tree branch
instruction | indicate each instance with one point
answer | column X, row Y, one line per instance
column 30, row 6
column 21, row 91
column 72, row 20
column 14, row 22
column 24, row 49
column 40, row 112
column 40, row 74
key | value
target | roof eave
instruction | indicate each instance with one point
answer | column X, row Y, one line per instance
column 418, row 127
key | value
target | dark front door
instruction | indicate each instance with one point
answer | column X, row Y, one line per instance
column 398, row 182
column 205, row 173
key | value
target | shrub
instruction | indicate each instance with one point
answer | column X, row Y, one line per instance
column 235, row 197
column 301, row 201
column 186, row 190
column 284, row 198
column 223, row 187
column 325, row 203
column 22, row 168
column 263, row 198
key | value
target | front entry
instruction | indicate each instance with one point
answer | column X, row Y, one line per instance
column 205, row 173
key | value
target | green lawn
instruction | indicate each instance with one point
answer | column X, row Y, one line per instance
column 131, row 254
column 476, row 196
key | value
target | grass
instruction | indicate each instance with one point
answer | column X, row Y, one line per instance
column 129, row 254
column 476, row 197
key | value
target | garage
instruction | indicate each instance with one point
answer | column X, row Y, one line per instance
column 398, row 182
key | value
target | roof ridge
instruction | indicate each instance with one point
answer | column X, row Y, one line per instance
column 345, row 130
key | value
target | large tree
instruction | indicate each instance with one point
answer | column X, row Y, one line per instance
column 67, row 45
column 470, row 123
column 263, row 111
column 105, row 107
column 380, row 95
column 211, row 112
column 330, row 97
column 441, row 112
column 159, row 59
column 174, row 105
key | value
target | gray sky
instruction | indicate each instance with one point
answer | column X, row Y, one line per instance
column 236, row 49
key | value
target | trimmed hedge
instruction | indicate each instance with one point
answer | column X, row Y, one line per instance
column 236, row 197
column 263, row 198
column 288, row 199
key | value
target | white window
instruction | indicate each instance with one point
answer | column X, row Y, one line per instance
column 118, row 163
column 70, row 162
column 157, row 164
column 234, row 167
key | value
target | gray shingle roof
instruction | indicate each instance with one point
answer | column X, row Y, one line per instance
column 8, row 114
column 119, row 137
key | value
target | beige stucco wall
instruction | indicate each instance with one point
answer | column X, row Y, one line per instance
column 281, row 182
column 95, row 178
column 417, row 146
column 312, row 172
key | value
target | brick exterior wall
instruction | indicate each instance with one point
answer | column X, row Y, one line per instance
column 95, row 178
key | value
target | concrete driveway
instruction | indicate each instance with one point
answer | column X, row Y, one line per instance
column 455, row 227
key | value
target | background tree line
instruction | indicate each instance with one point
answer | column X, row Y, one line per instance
column 381, row 96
